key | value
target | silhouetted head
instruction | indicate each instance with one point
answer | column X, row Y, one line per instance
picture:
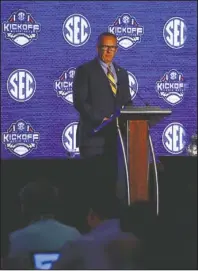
column 38, row 199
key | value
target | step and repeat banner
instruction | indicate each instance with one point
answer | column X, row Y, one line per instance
column 42, row 44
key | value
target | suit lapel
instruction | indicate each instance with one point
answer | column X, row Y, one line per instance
column 117, row 69
column 99, row 68
column 101, row 74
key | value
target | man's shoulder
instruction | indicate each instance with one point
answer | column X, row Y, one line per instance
column 19, row 233
column 29, row 229
column 67, row 228
column 88, row 64
column 119, row 68
column 34, row 228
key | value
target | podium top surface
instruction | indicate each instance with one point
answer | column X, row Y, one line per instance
column 152, row 114
column 148, row 110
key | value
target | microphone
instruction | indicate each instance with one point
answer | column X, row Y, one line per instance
column 144, row 102
column 129, row 102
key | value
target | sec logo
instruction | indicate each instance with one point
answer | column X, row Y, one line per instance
column 21, row 85
column 69, row 139
column 174, row 138
column 175, row 32
column 76, row 30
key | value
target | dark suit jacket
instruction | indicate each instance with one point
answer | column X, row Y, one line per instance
column 94, row 100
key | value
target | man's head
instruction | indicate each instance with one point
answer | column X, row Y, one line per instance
column 38, row 199
column 101, row 207
column 107, row 47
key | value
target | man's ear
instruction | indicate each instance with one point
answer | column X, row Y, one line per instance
column 97, row 48
column 92, row 215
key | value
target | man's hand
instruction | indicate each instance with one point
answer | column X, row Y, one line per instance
column 105, row 119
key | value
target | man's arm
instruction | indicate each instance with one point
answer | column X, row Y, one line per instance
column 68, row 257
column 80, row 96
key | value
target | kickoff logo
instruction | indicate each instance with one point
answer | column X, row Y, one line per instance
column 175, row 32
column 21, row 28
column 127, row 30
column 64, row 85
column 76, row 30
column 174, row 138
column 171, row 87
column 21, row 85
column 20, row 138
column 69, row 139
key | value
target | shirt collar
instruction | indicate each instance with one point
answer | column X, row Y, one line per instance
column 104, row 64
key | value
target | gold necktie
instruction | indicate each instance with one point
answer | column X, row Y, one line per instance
column 111, row 80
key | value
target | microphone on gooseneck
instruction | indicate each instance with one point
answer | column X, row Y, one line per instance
column 130, row 101
column 138, row 95
column 144, row 102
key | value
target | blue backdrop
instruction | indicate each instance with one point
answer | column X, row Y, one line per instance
column 43, row 43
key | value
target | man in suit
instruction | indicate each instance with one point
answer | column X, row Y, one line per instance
column 106, row 246
column 100, row 88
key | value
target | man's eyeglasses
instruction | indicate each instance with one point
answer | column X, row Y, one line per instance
column 107, row 47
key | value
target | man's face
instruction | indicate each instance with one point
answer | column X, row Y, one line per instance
column 107, row 49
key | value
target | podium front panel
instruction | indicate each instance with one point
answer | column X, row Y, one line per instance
column 137, row 156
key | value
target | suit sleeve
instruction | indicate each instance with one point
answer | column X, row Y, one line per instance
column 81, row 96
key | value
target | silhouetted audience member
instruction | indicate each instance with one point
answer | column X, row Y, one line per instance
column 5, row 244
column 106, row 246
column 6, row 262
column 140, row 218
column 44, row 232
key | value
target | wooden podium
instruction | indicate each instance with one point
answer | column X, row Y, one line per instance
column 138, row 120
